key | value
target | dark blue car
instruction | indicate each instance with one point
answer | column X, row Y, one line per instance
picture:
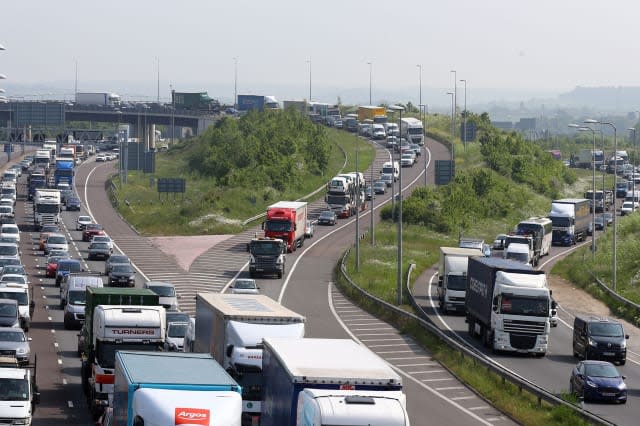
column 73, row 203
column 65, row 267
column 598, row 381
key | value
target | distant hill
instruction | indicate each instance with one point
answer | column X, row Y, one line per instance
column 619, row 98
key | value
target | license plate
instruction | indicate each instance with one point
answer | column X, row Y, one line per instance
column 608, row 394
column 608, row 353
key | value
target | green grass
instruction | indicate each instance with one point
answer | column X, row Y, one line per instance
column 204, row 209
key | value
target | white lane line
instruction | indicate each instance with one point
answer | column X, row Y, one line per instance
column 413, row 379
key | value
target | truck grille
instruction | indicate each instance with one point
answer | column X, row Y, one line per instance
column 456, row 299
column 520, row 341
column 529, row 328
column 265, row 261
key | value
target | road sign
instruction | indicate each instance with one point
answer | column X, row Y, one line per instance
column 445, row 171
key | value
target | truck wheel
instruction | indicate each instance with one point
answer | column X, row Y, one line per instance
column 486, row 338
column 541, row 355
column 471, row 327
column 280, row 274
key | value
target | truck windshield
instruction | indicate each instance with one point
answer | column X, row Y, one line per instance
column 517, row 305
column 337, row 199
column 561, row 221
column 387, row 170
column 266, row 248
column 14, row 390
column 277, row 226
column 21, row 298
column 415, row 130
column 457, row 282
column 64, row 172
column 106, row 351
column 177, row 329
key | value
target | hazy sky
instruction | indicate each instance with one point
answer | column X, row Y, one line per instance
column 542, row 45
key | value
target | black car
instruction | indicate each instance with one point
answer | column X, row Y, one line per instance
column 327, row 217
column 598, row 381
column 72, row 203
column 99, row 251
column 113, row 259
column 368, row 192
column 122, row 275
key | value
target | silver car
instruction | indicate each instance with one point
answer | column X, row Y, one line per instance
column 14, row 341
column 245, row 286
column 166, row 291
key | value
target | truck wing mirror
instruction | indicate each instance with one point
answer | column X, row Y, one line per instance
column 554, row 305
column 229, row 350
column 440, row 281
column 495, row 308
column 247, row 247
column 36, row 397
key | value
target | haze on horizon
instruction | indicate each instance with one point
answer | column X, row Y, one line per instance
column 535, row 47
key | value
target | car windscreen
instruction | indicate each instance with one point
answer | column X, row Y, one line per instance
column 122, row 269
column 12, row 336
column 77, row 297
column 9, row 250
column 162, row 290
column 69, row 266
column 177, row 329
column 601, row 370
column 605, row 329
column 56, row 239
column 20, row 297
column 244, row 284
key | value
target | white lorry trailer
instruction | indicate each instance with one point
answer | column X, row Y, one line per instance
column 168, row 388
column 329, row 382
column 98, row 98
column 231, row 328
column 452, row 277
column 508, row 305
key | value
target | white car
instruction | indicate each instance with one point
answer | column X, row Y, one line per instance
column 55, row 242
column 407, row 160
column 10, row 230
column 102, row 239
column 628, row 207
column 308, row 229
column 244, row 286
column 82, row 221
column 101, row 157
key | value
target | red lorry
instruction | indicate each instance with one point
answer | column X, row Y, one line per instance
column 286, row 220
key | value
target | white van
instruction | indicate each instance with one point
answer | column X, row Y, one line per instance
column 190, row 337
column 631, row 195
column 339, row 185
column 392, row 169
column 10, row 176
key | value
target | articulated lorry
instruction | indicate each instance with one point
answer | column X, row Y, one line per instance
column 412, row 130
column 286, row 220
column 231, row 328
column 98, row 98
column 46, row 207
column 169, row 388
column 508, row 305
column 452, row 277
column 115, row 319
column 570, row 219
column 64, row 172
column 587, row 158
column 195, row 101
column 329, row 382
column 267, row 257
column 42, row 158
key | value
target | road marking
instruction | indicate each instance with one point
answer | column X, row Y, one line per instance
column 53, row 331
column 454, row 388
column 458, row 398
column 59, row 361
column 55, row 344
column 70, row 404
column 64, row 381
column 49, row 318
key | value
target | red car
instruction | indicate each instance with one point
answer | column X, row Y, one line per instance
column 91, row 230
column 52, row 265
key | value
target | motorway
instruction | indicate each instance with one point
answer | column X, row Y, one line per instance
column 551, row 372
column 433, row 395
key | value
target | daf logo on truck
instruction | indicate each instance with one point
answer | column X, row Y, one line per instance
column 191, row 416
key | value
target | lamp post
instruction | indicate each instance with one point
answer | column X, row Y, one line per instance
column 309, row 62
column 423, row 136
column 235, row 82
column 399, row 267
column 420, row 78
column 158, row 63
column 370, row 81
column 373, row 197
column 464, row 117
column 633, row 186
column 452, row 134
column 614, row 259
column 593, row 194
column 358, row 208
column 455, row 99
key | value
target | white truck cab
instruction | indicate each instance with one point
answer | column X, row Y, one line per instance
column 519, row 252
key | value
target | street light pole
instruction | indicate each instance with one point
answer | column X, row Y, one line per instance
column 464, row 117
column 593, row 195
column 614, row 260
column 235, row 83
column 158, row 61
column 633, row 186
column 370, row 81
column 455, row 100
column 452, row 134
column 399, row 267
column 309, row 62
column 420, row 77
column 358, row 208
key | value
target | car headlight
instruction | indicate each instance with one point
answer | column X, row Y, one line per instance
column 592, row 342
column 623, row 345
column 591, row 384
